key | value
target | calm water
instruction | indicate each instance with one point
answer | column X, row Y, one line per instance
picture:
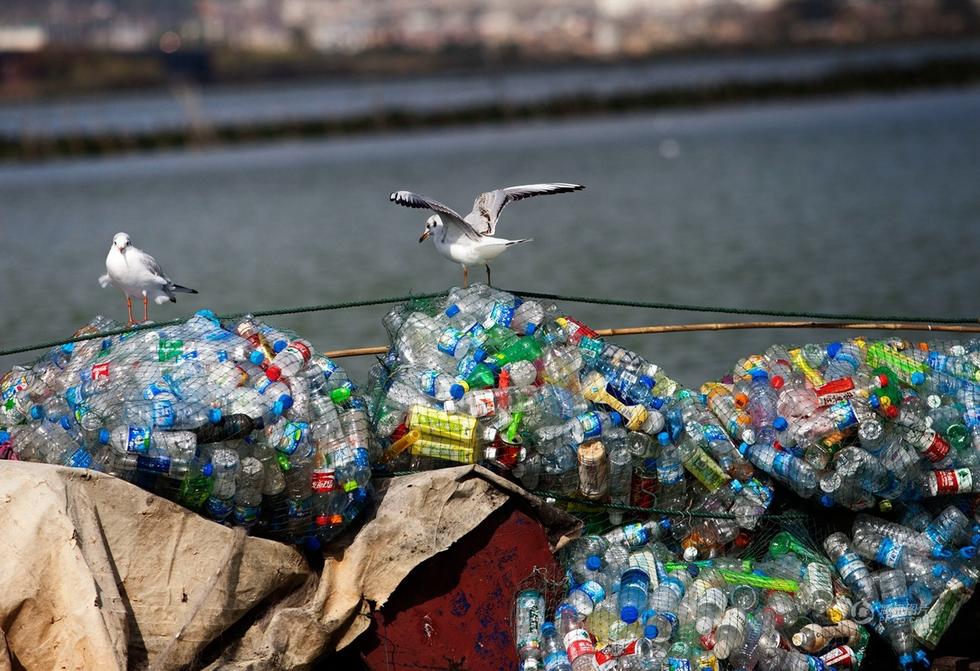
column 867, row 204
column 151, row 110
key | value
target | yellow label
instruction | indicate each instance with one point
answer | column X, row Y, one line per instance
column 432, row 423
column 809, row 372
column 425, row 447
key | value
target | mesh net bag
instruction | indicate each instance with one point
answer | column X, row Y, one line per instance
column 483, row 376
column 858, row 423
column 241, row 421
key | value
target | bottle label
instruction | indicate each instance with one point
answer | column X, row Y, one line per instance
column 678, row 664
column 591, row 424
column 168, row 350
column 840, row 656
column 292, row 436
column 670, row 472
column 138, row 439
column 847, row 565
column 953, row 482
column 449, row 341
column 938, row 448
column 80, row 459
column 896, row 609
column 635, row 535
column 889, row 553
column 593, row 590
column 159, row 464
column 301, row 349
column 502, row 314
column 299, row 508
column 578, row 643
column 324, row 481
column 100, row 371
column 427, row 382
column 605, row 659
column 555, row 660
column 219, row 508
column 483, row 403
column 246, row 514
column 713, row 433
column 163, row 413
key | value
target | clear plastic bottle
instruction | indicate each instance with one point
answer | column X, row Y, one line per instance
column 576, row 639
column 730, row 633
column 896, row 612
column 529, row 615
column 552, row 650
column 853, row 571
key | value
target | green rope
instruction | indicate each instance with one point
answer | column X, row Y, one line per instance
column 667, row 512
column 527, row 294
column 230, row 315
column 746, row 311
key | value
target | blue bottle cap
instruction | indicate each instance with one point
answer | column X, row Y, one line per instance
column 780, row 424
column 37, row 412
column 214, row 414
column 530, row 329
column 256, row 357
column 615, row 418
column 651, row 631
column 743, row 448
column 968, row 552
column 917, row 378
column 646, row 381
column 68, row 347
column 693, row 570
column 663, row 438
column 759, row 572
column 759, row 374
column 207, row 470
column 827, row 501
column 4, row 436
column 65, row 423
column 452, row 310
column 629, row 614
column 975, row 539
column 548, row 629
column 279, row 346
column 937, row 570
column 737, row 486
column 665, row 524
column 905, row 660
column 703, row 398
column 286, row 400
column 874, row 401
column 104, row 436
column 922, row 658
column 593, row 562
column 456, row 392
column 833, row 348
column 479, row 355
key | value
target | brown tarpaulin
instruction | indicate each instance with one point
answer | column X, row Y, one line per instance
column 98, row 573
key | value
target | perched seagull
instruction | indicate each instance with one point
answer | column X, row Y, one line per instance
column 469, row 240
column 137, row 274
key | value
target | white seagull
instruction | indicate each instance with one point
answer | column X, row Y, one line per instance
column 469, row 240
column 137, row 274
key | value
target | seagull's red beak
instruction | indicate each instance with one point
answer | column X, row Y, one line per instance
column 425, row 235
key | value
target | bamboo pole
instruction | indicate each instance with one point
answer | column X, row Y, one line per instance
column 727, row 326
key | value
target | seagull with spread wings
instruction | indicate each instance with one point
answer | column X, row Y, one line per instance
column 470, row 240
column 137, row 274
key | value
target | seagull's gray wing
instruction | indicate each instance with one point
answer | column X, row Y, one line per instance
column 488, row 206
column 409, row 199
column 151, row 266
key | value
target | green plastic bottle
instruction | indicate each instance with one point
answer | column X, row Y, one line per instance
column 523, row 349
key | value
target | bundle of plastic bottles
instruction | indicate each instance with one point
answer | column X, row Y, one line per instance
column 857, row 422
column 632, row 607
column 243, row 422
column 484, row 376
column 926, row 570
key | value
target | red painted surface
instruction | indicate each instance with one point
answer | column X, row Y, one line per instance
column 454, row 611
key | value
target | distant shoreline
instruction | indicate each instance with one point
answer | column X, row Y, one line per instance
column 932, row 73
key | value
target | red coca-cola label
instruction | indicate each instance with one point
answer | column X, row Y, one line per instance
column 841, row 655
column 605, row 659
column 100, row 371
column 937, row 450
column 946, row 482
column 324, row 481
column 302, row 349
column 578, row 643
